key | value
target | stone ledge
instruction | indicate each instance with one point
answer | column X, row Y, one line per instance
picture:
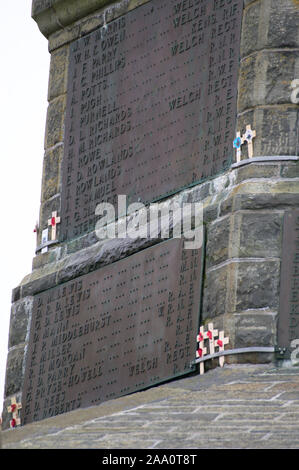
column 52, row 15
column 275, row 158
column 238, row 406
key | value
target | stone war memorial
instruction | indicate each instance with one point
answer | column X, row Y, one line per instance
column 169, row 214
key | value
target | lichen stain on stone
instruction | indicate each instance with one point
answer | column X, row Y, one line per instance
column 296, row 3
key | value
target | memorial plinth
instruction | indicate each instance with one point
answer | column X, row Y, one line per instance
column 188, row 101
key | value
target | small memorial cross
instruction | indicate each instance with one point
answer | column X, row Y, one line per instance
column 45, row 239
column 201, row 351
column 53, row 224
column 14, row 409
column 248, row 137
column 237, row 145
column 220, row 343
column 211, row 334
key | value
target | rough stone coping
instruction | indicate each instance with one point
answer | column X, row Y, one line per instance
column 249, row 385
column 45, row 245
column 275, row 158
column 52, row 15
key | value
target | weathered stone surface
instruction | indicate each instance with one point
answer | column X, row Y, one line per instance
column 16, row 294
column 89, row 23
column 53, row 16
column 14, row 370
column 260, row 235
column 51, row 172
column 255, row 329
column 39, row 284
column 270, row 23
column 265, row 78
column 217, row 242
column 257, row 170
column 251, row 201
column 215, row 292
column 239, row 407
column 263, row 201
column 276, row 130
column 290, row 170
column 42, row 259
column 58, row 73
column 19, row 321
column 257, row 285
column 100, row 254
column 55, row 122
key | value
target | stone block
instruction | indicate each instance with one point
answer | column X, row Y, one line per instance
column 55, row 122
column 276, row 130
column 260, row 235
column 58, row 72
column 19, row 321
column 39, row 284
column 255, row 329
column 290, row 170
column 14, row 371
column 51, row 173
column 265, row 78
column 100, row 254
column 210, row 213
column 272, row 201
column 270, row 24
column 16, row 294
column 215, row 292
column 42, row 259
column 257, row 170
column 217, row 242
column 257, row 285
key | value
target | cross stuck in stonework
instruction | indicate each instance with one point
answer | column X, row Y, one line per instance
column 237, row 145
column 248, row 137
column 14, row 409
column 201, row 351
column 211, row 334
column 220, row 343
column 53, row 224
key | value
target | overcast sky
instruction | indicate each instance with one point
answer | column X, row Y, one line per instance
column 24, row 82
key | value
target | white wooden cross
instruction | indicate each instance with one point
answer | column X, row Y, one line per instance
column 45, row 235
column 53, row 223
column 201, row 351
column 248, row 137
column 220, row 343
column 14, row 408
column 211, row 334
column 237, row 145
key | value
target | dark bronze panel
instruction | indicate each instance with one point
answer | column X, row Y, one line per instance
column 151, row 105
column 119, row 329
column 288, row 321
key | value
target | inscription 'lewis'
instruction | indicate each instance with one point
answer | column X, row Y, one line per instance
column 122, row 328
column 151, row 105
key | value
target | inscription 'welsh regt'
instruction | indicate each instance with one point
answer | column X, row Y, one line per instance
column 151, row 105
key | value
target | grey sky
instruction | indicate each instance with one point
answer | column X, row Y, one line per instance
column 23, row 97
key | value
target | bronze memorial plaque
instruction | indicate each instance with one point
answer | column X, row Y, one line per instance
column 288, row 321
column 151, row 105
column 116, row 330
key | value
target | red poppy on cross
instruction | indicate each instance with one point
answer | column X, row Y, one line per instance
column 53, row 224
column 14, row 408
column 220, row 343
